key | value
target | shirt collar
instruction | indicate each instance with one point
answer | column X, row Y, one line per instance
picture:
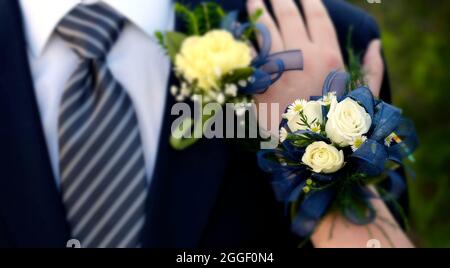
column 41, row 17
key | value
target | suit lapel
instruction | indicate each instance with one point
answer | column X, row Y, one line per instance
column 183, row 190
column 30, row 205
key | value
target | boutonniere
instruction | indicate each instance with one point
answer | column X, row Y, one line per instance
column 214, row 62
column 334, row 149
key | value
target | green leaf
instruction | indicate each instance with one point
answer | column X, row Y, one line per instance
column 189, row 18
column 177, row 139
column 237, row 75
column 300, row 140
column 209, row 16
column 304, row 139
column 250, row 33
column 254, row 17
column 160, row 38
column 173, row 42
column 183, row 143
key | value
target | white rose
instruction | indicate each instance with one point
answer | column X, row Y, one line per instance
column 323, row 158
column 313, row 112
column 347, row 120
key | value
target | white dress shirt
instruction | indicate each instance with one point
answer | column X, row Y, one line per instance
column 136, row 61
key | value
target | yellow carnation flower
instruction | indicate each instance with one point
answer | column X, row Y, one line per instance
column 206, row 58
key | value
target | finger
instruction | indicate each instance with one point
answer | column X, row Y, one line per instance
column 374, row 67
column 267, row 20
column 253, row 51
column 320, row 26
column 290, row 21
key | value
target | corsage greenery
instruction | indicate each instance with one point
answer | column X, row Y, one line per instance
column 213, row 59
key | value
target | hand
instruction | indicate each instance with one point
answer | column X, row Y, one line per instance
column 374, row 67
column 320, row 47
column 318, row 41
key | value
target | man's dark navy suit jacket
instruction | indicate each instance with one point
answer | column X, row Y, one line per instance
column 210, row 195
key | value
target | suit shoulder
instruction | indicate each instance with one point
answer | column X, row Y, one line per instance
column 348, row 17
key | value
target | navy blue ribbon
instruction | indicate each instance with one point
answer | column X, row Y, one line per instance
column 311, row 210
column 267, row 68
column 370, row 159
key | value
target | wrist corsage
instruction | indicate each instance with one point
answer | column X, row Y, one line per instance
column 213, row 60
column 333, row 150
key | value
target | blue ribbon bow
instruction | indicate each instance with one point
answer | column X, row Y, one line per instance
column 268, row 68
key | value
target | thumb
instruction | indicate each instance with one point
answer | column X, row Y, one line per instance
column 374, row 67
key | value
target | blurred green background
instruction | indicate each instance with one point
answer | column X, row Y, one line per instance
column 416, row 37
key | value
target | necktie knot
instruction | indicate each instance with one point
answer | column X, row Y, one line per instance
column 91, row 30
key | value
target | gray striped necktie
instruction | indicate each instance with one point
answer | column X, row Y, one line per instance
column 102, row 167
